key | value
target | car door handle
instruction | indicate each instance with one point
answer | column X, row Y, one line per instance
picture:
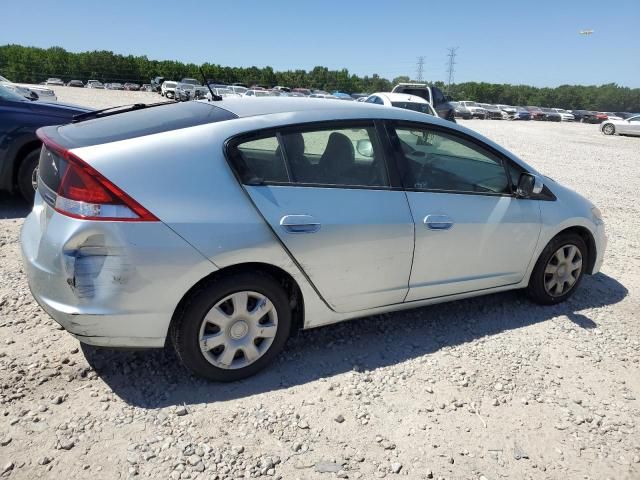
column 299, row 224
column 438, row 222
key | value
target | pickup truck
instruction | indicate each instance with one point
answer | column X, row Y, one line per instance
column 438, row 100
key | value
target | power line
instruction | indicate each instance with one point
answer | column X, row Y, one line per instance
column 420, row 68
column 451, row 65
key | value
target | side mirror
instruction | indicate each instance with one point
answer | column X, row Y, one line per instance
column 528, row 185
column 364, row 148
column 33, row 95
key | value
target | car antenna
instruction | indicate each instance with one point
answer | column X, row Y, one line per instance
column 214, row 97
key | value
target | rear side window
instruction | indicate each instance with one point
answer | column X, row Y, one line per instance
column 323, row 157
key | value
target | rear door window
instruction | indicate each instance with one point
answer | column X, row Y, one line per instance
column 340, row 156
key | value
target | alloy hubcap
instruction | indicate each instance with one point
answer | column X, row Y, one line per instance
column 563, row 270
column 238, row 330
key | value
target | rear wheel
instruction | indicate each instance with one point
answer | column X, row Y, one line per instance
column 559, row 270
column 233, row 327
column 608, row 129
column 28, row 175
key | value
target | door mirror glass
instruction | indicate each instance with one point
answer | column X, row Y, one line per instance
column 528, row 184
column 365, row 148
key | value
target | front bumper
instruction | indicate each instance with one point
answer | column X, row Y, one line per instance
column 601, row 246
column 108, row 283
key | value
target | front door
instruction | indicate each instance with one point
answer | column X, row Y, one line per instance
column 326, row 194
column 471, row 232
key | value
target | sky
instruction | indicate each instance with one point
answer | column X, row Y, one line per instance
column 518, row 41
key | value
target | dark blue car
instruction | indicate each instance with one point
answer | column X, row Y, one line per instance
column 19, row 147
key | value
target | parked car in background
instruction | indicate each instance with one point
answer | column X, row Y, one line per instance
column 476, row 110
column 132, row 86
column 19, row 145
column 343, row 96
column 493, row 111
column 237, row 89
column 612, row 116
column 402, row 100
column 94, row 84
column 40, row 92
column 156, row 83
column 460, row 111
column 619, row 126
column 521, row 113
column 115, row 86
column 190, row 81
column 223, row 92
column 282, row 89
column 227, row 266
column 536, row 113
column 184, row 92
column 75, row 83
column 507, row 110
column 168, row 88
column 565, row 115
column 323, row 95
column 550, row 115
column 585, row 116
column 438, row 100
column 357, row 96
column 55, row 82
column 253, row 93
column 305, row 91
column 146, row 87
column 625, row 115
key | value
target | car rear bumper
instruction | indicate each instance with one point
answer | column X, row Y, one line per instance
column 108, row 283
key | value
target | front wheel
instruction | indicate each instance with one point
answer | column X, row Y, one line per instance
column 608, row 129
column 233, row 327
column 559, row 270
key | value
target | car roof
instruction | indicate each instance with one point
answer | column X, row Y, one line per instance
column 400, row 97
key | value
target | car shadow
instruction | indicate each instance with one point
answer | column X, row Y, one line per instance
column 13, row 206
column 155, row 378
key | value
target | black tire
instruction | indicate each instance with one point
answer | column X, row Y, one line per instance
column 185, row 330
column 26, row 175
column 536, row 289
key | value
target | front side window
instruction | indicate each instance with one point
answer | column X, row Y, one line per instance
column 319, row 157
column 635, row 119
column 439, row 161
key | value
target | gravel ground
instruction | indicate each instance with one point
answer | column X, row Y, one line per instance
column 487, row 388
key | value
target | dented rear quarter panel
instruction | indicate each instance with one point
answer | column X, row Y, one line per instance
column 108, row 279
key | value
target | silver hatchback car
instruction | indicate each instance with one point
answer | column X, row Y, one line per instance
column 223, row 227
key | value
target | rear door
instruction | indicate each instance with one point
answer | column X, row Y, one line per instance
column 328, row 196
column 472, row 233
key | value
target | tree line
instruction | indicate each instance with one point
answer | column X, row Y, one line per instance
column 34, row 65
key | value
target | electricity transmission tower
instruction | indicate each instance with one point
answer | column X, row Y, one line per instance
column 420, row 68
column 451, row 65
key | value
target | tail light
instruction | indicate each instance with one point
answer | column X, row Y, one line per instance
column 74, row 188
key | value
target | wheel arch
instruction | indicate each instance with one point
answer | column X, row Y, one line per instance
column 291, row 287
column 19, row 156
column 589, row 241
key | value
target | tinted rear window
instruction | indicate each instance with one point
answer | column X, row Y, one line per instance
column 139, row 123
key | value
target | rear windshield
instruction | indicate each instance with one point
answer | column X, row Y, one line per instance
column 139, row 123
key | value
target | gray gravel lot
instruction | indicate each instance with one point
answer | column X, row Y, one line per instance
column 487, row 388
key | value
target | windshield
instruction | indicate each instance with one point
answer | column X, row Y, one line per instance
column 416, row 107
column 262, row 94
column 8, row 94
column 169, row 84
column 470, row 104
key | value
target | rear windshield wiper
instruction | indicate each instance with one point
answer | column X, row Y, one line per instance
column 105, row 112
